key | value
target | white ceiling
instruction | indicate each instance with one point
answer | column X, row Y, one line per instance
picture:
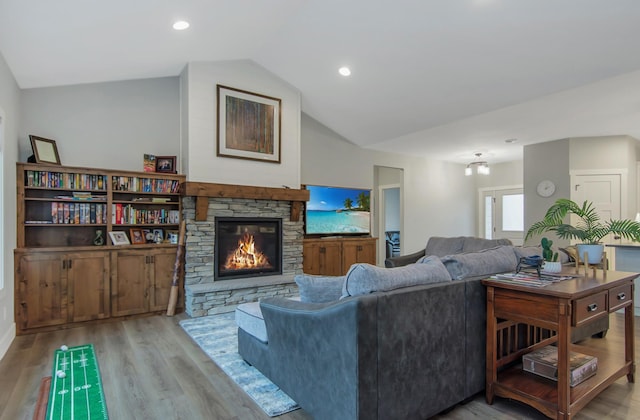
column 440, row 78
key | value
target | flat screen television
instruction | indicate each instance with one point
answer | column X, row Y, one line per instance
column 337, row 211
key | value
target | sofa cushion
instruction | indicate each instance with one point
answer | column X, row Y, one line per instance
column 441, row 246
column 249, row 318
column 364, row 278
column 473, row 244
column 319, row 289
column 488, row 261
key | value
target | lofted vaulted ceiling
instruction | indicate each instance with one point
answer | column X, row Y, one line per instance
column 439, row 78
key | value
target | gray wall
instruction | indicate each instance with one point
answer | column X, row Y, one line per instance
column 438, row 199
column 10, row 115
column 556, row 160
column 105, row 125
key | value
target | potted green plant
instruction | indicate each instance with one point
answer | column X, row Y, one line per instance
column 551, row 263
column 589, row 229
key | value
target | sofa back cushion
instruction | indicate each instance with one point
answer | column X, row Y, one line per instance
column 472, row 244
column 362, row 278
column 488, row 261
column 319, row 289
column 441, row 246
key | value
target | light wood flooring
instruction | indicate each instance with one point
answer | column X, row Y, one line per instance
column 152, row 370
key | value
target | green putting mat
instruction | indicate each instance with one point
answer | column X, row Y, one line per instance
column 76, row 388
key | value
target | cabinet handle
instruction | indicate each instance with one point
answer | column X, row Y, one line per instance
column 592, row 307
column 359, row 247
column 70, row 264
column 322, row 250
column 153, row 259
column 64, row 264
column 146, row 259
column 622, row 296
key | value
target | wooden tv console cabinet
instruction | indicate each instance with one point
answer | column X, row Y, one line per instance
column 555, row 308
column 333, row 256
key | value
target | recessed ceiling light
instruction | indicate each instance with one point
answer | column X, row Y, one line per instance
column 345, row 71
column 181, row 25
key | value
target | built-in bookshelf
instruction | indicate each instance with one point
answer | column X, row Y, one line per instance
column 69, row 206
column 65, row 255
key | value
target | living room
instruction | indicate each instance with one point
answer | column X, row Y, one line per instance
column 111, row 124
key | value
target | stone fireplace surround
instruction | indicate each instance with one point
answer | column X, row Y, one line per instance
column 201, row 203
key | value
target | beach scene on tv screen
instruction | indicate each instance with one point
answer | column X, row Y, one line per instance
column 338, row 210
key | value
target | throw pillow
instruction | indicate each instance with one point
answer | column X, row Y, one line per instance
column 488, row 261
column 319, row 289
column 362, row 278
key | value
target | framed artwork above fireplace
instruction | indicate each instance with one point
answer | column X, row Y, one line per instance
column 248, row 125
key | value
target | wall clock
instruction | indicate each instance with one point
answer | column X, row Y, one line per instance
column 546, row 188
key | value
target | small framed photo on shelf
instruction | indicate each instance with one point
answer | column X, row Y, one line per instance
column 44, row 150
column 158, row 236
column 119, row 237
column 137, row 237
column 148, row 236
column 166, row 164
column 149, row 163
column 172, row 236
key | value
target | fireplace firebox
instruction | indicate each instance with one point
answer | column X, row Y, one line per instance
column 247, row 247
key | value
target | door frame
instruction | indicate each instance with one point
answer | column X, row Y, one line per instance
column 382, row 240
column 481, row 194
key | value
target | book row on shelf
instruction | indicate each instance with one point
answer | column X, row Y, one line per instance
column 96, row 213
column 127, row 214
column 136, row 184
column 75, row 214
column 67, row 180
column 47, row 179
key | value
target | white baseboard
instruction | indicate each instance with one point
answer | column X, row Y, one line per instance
column 7, row 339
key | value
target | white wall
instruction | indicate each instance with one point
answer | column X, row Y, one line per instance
column 9, row 112
column 438, row 198
column 204, row 165
column 105, row 125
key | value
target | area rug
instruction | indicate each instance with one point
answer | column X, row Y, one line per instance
column 217, row 336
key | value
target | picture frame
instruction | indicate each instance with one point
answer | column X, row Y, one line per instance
column 119, row 237
column 137, row 237
column 148, row 236
column 158, row 236
column 44, row 150
column 172, row 236
column 248, row 125
column 166, row 164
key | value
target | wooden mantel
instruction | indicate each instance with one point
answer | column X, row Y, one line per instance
column 203, row 190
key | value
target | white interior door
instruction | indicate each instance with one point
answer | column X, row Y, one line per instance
column 604, row 191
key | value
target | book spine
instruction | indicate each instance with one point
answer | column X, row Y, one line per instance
column 580, row 374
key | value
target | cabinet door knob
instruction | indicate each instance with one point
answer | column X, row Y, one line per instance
column 622, row 296
column 592, row 307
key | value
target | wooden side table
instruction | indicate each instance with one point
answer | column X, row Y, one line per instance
column 522, row 318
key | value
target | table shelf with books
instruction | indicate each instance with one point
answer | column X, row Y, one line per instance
column 523, row 318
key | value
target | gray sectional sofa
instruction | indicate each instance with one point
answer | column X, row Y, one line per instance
column 379, row 343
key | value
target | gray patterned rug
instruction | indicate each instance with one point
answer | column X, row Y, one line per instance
column 217, row 335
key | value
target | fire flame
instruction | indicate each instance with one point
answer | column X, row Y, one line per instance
column 245, row 256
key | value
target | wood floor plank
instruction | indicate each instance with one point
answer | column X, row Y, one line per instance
column 152, row 369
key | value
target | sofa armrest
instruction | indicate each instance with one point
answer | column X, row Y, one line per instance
column 325, row 352
column 403, row 260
